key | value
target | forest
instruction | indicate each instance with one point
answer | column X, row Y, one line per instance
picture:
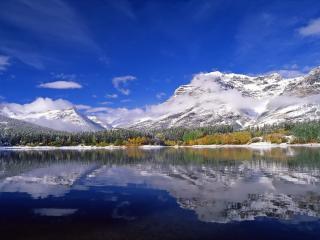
column 306, row 132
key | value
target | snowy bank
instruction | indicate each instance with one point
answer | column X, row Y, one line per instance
column 258, row 145
column 148, row 147
column 79, row 147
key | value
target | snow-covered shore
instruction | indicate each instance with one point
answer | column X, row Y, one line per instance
column 79, row 147
column 149, row 147
column 259, row 145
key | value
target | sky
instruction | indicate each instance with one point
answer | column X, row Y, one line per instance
column 130, row 54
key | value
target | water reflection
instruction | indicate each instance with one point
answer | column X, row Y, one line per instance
column 54, row 212
column 218, row 185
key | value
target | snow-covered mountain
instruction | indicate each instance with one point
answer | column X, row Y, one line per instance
column 238, row 100
column 61, row 119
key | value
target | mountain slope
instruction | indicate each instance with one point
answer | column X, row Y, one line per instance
column 63, row 120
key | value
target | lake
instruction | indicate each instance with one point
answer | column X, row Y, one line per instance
column 224, row 193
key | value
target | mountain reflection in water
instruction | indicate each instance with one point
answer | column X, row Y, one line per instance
column 224, row 185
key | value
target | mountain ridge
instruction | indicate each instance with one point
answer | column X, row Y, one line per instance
column 240, row 100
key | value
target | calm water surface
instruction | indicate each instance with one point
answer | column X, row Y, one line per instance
column 233, row 193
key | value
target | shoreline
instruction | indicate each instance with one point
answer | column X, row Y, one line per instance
column 257, row 146
column 261, row 145
column 46, row 148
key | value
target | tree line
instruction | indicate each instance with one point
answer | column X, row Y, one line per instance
column 306, row 132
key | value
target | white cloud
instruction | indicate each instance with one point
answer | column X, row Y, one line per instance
column 39, row 105
column 312, row 29
column 61, row 85
column 120, row 83
column 160, row 95
column 111, row 96
column 4, row 62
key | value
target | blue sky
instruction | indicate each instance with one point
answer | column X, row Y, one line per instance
column 121, row 53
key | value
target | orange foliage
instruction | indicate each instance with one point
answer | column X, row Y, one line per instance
column 225, row 138
column 137, row 141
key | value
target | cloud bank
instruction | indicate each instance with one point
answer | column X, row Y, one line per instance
column 39, row 105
